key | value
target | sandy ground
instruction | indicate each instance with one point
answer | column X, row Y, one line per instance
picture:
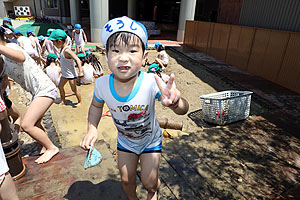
column 69, row 122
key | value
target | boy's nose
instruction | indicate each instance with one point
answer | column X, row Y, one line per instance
column 124, row 57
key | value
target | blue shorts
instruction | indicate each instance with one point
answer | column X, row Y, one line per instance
column 156, row 149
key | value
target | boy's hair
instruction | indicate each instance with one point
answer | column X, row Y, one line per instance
column 92, row 59
column 123, row 37
column 84, row 60
column 160, row 48
column 50, row 60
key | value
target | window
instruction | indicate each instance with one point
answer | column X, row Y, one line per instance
column 51, row 3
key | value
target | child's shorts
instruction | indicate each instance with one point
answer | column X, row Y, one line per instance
column 156, row 149
column 52, row 94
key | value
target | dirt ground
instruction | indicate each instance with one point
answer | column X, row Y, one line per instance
column 192, row 80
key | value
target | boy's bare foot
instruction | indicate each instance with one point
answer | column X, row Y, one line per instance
column 43, row 150
column 48, row 154
column 62, row 103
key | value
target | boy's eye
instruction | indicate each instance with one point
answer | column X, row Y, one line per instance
column 133, row 51
column 115, row 50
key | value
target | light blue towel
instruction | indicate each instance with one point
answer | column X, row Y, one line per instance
column 93, row 158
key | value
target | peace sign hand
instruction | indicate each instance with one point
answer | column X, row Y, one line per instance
column 169, row 96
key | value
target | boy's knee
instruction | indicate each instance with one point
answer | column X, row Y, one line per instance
column 151, row 184
column 26, row 126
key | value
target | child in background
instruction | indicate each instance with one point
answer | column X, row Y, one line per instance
column 89, row 72
column 6, row 20
column 78, row 35
column 162, row 57
column 37, row 46
column 68, row 39
column 22, row 69
column 53, row 69
column 7, row 186
column 9, row 32
column 154, row 68
column 48, row 46
column 93, row 60
column 130, row 95
column 26, row 44
column 67, row 63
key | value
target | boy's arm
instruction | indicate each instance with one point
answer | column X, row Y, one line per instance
column 12, row 54
column 73, row 37
column 84, row 36
column 94, row 116
column 170, row 96
column 68, row 53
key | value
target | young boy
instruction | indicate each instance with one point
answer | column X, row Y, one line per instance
column 78, row 35
column 130, row 95
column 67, row 63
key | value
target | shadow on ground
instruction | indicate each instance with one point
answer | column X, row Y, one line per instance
column 108, row 189
column 245, row 160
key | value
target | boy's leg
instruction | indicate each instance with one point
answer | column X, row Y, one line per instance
column 8, row 188
column 82, row 49
column 149, row 173
column 127, row 164
column 61, row 85
column 77, row 49
column 75, row 89
column 34, row 113
column 160, row 62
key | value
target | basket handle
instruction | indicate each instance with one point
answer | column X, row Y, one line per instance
column 207, row 101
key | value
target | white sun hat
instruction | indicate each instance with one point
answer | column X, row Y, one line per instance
column 124, row 24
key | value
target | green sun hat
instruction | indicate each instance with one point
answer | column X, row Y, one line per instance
column 49, row 31
column 88, row 53
column 52, row 55
column 153, row 68
column 58, row 34
column 80, row 55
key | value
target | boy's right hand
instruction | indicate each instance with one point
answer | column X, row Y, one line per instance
column 88, row 140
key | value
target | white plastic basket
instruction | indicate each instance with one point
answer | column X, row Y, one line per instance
column 226, row 107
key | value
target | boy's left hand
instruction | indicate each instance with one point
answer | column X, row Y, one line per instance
column 169, row 96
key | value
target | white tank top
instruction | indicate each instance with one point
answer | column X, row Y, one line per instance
column 88, row 74
column 27, row 44
column 53, row 73
column 78, row 38
column 67, row 66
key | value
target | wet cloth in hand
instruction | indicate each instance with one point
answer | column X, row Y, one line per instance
column 93, row 158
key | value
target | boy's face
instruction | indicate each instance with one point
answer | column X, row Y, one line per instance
column 58, row 43
column 124, row 61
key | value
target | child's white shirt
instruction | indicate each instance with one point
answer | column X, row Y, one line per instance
column 164, row 57
column 88, row 74
column 78, row 38
column 67, row 65
column 28, row 74
column 27, row 45
column 134, row 115
column 53, row 73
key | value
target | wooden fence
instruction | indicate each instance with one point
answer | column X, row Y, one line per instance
column 271, row 54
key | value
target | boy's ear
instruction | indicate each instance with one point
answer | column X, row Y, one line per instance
column 145, row 54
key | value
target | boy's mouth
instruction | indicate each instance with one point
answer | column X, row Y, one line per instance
column 124, row 68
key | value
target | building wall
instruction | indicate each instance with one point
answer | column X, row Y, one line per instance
column 271, row 14
column 229, row 11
